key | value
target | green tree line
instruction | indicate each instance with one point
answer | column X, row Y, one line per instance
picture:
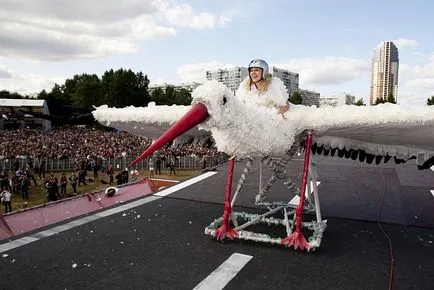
column 115, row 88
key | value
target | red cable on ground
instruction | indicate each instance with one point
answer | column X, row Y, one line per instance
column 392, row 259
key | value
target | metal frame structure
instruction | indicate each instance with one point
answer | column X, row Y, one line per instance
column 292, row 214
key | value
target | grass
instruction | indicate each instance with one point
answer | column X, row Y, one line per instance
column 38, row 193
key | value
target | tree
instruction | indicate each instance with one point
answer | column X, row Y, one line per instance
column 379, row 101
column 8, row 95
column 88, row 91
column 430, row 101
column 158, row 96
column 296, row 98
column 182, row 97
column 349, row 99
column 391, row 98
column 70, row 88
column 43, row 95
column 170, row 95
column 124, row 88
column 360, row 102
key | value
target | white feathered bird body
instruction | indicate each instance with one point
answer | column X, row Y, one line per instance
column 243, row 128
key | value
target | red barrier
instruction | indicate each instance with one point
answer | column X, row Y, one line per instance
column 51, row 213
column 20, row 222
column 5, row 230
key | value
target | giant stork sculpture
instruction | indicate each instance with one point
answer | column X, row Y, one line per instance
column 246, row 132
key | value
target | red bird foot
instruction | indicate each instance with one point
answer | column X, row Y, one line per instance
column 297, row 240
column 225, row 232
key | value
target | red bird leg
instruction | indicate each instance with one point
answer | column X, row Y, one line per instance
column 225, row 230
column 297, row 238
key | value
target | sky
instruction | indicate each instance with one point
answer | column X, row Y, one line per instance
column 328, row 42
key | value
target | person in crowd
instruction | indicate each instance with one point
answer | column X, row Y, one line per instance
column 151, row 167
column 172, row 166
column 110, row 173
column 73, row 180
column 158, row 166
column 6, row 197
column 4, row 180
column 63, row 184
column 134, row 173
column 24, row 186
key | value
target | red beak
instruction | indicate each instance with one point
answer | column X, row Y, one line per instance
column 196, row 115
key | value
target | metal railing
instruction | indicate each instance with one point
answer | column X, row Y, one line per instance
column 65, row 164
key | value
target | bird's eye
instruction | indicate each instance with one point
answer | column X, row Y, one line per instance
column 225, row 100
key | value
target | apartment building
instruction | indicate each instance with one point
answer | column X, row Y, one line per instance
column 309, row 98
column 230, row 77
column 290, row 79
column 384, row 75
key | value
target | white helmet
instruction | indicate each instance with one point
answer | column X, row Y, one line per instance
column 261, row 64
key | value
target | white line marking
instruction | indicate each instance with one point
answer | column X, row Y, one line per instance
column 84, row 220
column 225, row 273
column 186, row 183
column 159, row 179
column 432, row 192
column 296, row 199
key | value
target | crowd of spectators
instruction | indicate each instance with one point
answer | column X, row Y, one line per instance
column 79, row 143
column 87, row 148
column 69, row 142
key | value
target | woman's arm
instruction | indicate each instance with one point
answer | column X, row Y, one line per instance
column 284, row 108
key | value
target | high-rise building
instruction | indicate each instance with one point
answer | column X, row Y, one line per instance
column 290, row 79
column 310, row 98
column 230, row 77
column 384, row 75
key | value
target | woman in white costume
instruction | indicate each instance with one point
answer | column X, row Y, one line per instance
column 262, row 89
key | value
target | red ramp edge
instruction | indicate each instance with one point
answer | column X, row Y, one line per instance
column 23, row 221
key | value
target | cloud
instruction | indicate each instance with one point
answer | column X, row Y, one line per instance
column 183, row 15
column 416, row 82
column 158, row 81
column 326, row 71
column 418, row 54
column 27, row 83
column 197, row 72
column 403, row 42
column 4, row 73
column 46, row 30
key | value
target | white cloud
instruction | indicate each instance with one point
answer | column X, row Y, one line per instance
column 327, row 70
column 403, row 42
column 224, row 20
column 183, row 15
column 159, row 81
column 63, row 30
column 5, row 73
column 421, row 83
column 418, row 54
column 416, row 82
column 29, row 83
column 197, row 72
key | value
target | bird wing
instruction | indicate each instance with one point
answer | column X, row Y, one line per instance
column 373, row 132
column 150, row 121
